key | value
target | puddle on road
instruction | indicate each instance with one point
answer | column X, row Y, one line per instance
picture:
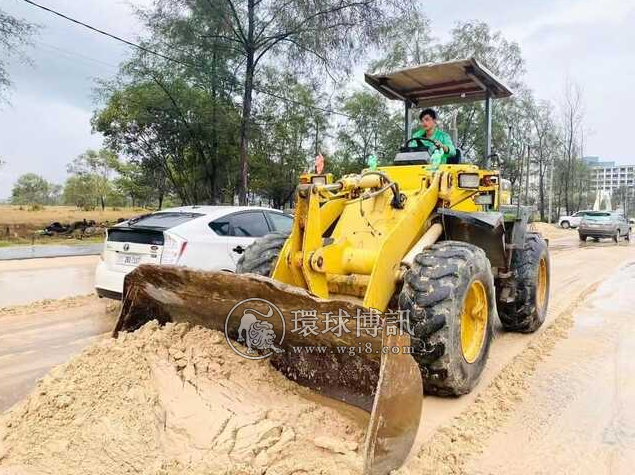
column 22, row 286
column 32, row 252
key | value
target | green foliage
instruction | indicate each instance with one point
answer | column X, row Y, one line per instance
column 178, row 134
column 33, row 189
column 79, row 191
column 371, row 129
column 96, row 168
column 287, row 136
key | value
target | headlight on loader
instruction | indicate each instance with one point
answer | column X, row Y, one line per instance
column 318, row 180
column 486, row 199
column 469, row 180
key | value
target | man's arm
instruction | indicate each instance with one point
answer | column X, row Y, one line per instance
column 448, row 146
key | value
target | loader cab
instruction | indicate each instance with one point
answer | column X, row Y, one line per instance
column 434, row 85
column 413, row 152
column 416, row 153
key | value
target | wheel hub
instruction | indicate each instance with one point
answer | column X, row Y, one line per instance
column 541, row 285
column 474, row 321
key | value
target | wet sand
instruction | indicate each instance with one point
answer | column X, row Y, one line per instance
column 35, row 338
column 578, row 415
column 575, row 269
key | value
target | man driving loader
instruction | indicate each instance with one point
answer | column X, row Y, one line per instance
column 439, row 142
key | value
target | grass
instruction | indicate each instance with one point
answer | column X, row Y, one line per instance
column 50, row 240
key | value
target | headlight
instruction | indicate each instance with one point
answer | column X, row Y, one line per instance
column 469, row 180
column 318, row 180
column 487, row 199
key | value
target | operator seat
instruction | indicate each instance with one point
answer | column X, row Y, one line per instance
column 455, row 159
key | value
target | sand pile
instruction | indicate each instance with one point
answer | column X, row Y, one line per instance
column 174, row 400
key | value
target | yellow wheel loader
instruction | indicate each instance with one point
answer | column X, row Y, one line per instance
column 390, row 282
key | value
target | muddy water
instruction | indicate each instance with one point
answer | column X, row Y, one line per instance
column 579, row 413
column 22, row 282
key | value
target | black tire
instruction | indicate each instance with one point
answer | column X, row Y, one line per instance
column 582, row 237
column 433, row 294
column 260, row 256
column 565, row 225
column 526, row 314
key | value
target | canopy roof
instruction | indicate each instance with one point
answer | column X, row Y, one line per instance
column 437, row 84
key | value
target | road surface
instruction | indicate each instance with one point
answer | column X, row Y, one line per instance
column 457, row 435
column 23, row 282
column 35, row 338
column 578, row 415
column 41, row 251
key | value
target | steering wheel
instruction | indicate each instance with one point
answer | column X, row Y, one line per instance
column 420, row 142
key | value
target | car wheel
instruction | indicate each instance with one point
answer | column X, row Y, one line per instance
column 565, row 224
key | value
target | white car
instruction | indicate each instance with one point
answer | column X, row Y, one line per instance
column 574, row 220
column 202, row 237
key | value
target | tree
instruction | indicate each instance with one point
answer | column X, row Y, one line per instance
column 177, row 133
column 100, row 166
column 572, row 116
column 370, row 129
column 324, row 33
column 504, row 59
column 14, row 33
column 546, row 145
column 33, row 189
column 286, row 137
column 405, row 41
column 80, row 191
column 142, row 187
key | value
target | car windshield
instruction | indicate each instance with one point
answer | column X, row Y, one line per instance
column 598, row 217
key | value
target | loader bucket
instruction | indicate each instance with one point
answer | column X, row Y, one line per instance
column 386, row 383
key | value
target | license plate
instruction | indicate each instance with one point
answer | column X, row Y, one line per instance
column 128, row 259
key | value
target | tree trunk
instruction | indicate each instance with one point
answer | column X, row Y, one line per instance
column 250, row 68
column 244, row 132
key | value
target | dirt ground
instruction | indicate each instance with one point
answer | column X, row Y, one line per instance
column 17, row 225
column 553, row 231
column 166, row 401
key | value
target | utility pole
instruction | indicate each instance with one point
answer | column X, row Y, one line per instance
column 527, row 175
column 553, row 162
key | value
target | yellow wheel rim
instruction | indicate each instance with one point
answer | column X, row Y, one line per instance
column 474, row 319
column 542, row 285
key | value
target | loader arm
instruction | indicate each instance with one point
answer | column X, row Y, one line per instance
column 354, row 244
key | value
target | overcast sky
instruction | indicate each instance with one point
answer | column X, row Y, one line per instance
column 47, row 123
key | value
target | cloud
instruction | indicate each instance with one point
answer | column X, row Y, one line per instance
column 581, row 14
column 48, row 123
column 44, row 137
